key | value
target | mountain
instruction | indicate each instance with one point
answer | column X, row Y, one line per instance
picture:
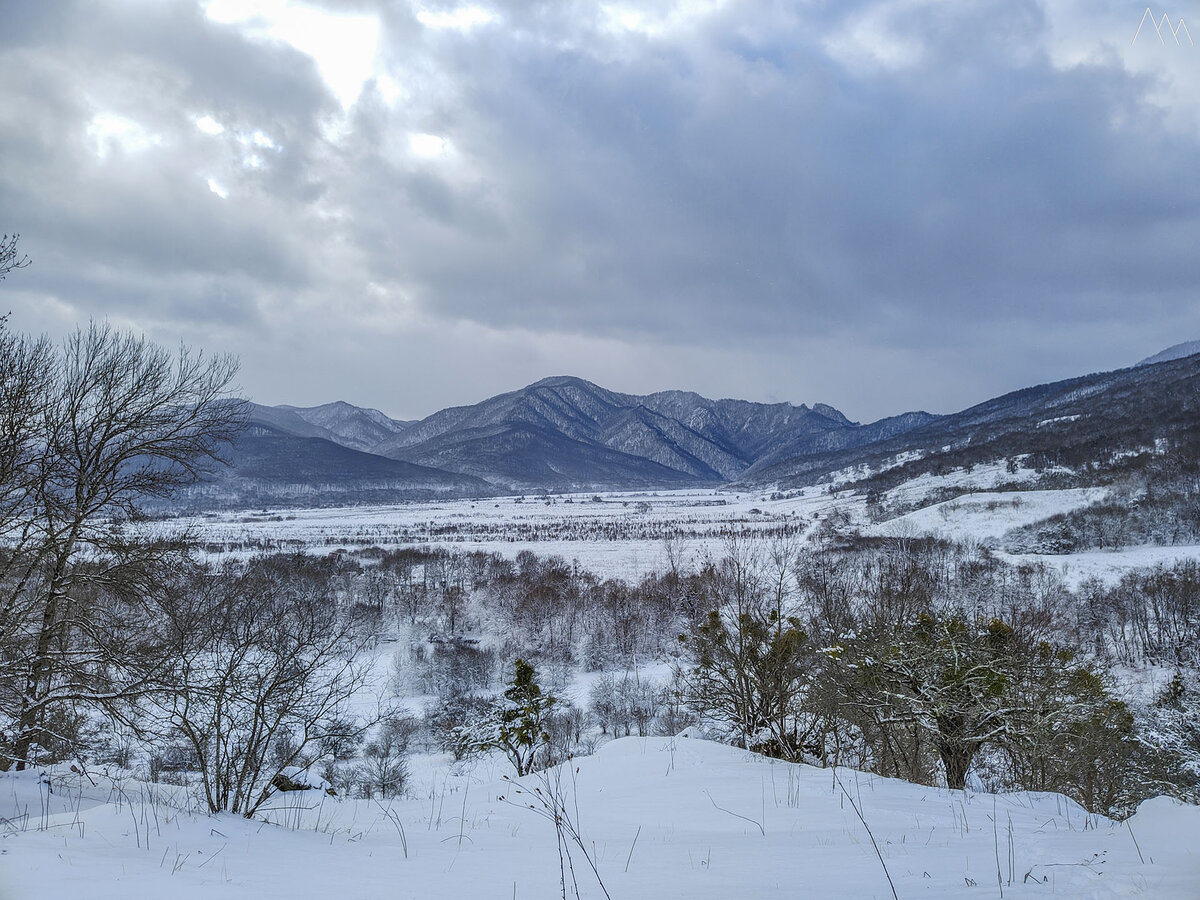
column 351, row 426
column 339, row 422
column 1178, row 351
column 1088, row 424
column 272, row 465
column 562, row 433
column 565, row 433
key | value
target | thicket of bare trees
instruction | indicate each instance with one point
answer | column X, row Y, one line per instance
column 915, row 658
column 928, row 661
column 264, row 666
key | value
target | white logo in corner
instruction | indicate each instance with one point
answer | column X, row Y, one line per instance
column 1164, row 22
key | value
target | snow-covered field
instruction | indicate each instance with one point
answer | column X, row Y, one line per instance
column 661, row 818
column 976, row 516
column 621, row 534
column 626, row 535
column 1106, row 565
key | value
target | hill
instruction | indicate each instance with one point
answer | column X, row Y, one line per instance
column 1084, row 429
column 271, row 466
column 659, row 817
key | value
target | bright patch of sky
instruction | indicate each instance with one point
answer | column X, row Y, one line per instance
column 343, row 46
column 633, row 18
column 209, row 125
column 427, row 145
column 110, row 131
column 389, row 89
column 872, row 40
column 461, row 19
column 217, row 189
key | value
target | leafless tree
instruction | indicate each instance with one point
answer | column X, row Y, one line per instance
column 9, row 257
column 751, row 659
column 261, row 659
column 109, row 420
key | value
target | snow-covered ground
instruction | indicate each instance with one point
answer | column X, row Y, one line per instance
column 661, row 818
column 625, row 535
column 1107, row 565
column 622, row 534
column 976, row 516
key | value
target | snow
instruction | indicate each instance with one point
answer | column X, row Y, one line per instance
column 620, row 536
column 678, row 817
column 661, row 817
column 977, row 516
column 1108, row 566
column 623, row 535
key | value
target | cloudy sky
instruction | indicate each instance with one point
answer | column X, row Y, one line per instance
column 878, row 205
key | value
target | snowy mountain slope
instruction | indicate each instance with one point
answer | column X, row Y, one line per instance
column 564, row 433
column 287, row 420
column 270, row 466
column 1178, row 351
column 659, row 817
column 352, row 426
column 523, row 456
column 698, row 439
column 1090, row 421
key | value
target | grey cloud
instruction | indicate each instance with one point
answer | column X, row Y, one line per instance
column 141, row 229
column 731, row 188
column 645, row 190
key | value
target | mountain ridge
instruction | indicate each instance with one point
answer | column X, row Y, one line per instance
column 564, row 433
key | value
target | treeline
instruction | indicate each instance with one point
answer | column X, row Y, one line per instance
column 917, row 659
column 934, row 663
column 634, row 526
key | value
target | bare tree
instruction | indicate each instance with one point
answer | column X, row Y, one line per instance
column 9, row 258
column 113, row 420
column 261, row 660
column 26, row 376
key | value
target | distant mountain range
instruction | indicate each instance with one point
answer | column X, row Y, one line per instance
column 567, row 434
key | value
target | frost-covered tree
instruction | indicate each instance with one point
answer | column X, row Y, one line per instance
column 966, row 685
column 383, row 770
column 1171, row 735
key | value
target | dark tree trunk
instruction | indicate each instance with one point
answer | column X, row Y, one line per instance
column 956, row 758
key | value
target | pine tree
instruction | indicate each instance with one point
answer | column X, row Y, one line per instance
column 517, row 723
